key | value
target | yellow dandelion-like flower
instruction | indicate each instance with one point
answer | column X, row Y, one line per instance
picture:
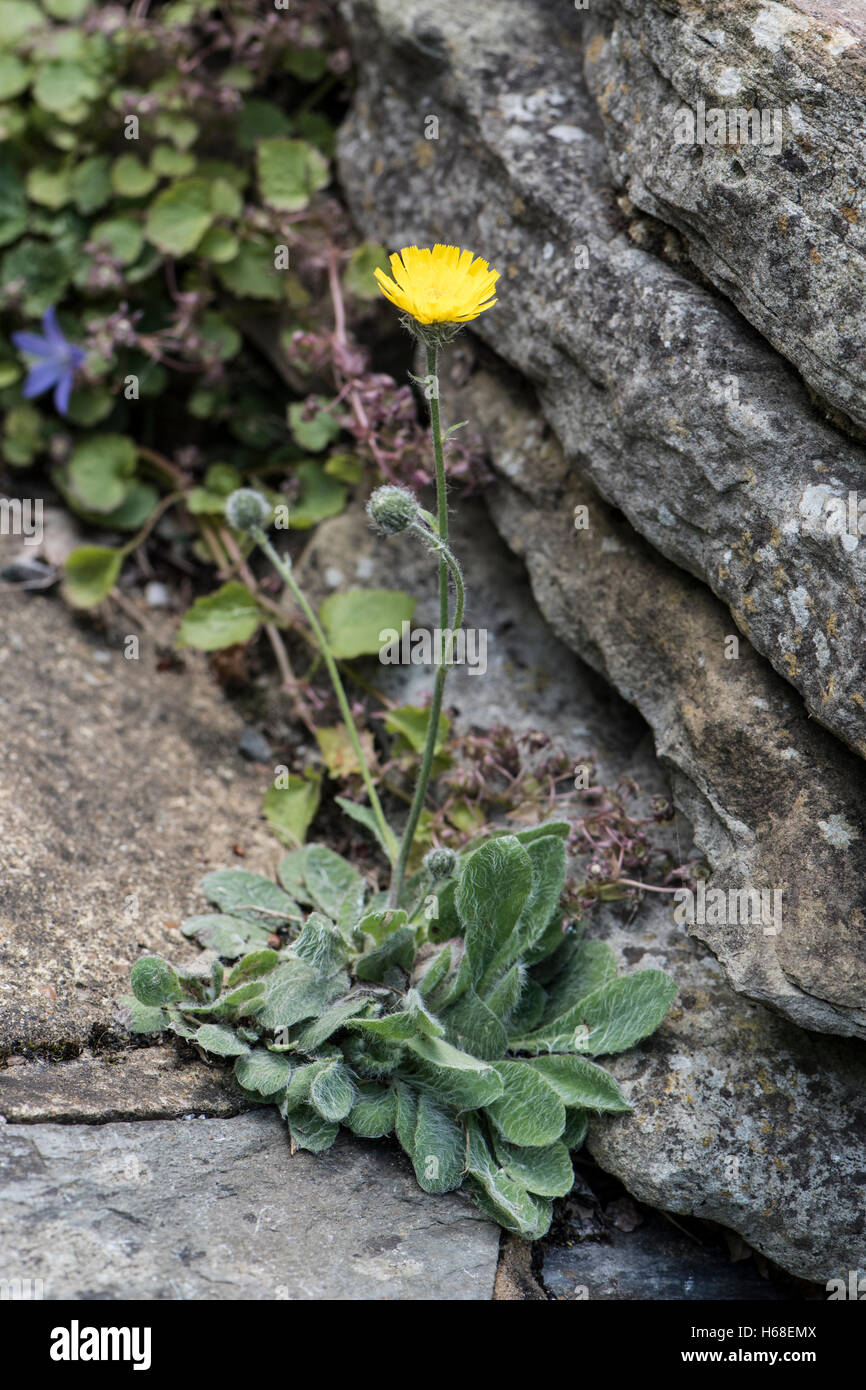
column 445, row 285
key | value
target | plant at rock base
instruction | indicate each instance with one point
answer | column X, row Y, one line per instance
column 456, row 1010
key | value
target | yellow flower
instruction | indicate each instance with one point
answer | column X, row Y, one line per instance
column 445, row 285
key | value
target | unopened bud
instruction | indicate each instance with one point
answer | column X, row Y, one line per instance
column 440, row 863
column 247, row 509
column 392, row 510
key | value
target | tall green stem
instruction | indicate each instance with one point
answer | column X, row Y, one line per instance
column 285, row 571
column 445, row 564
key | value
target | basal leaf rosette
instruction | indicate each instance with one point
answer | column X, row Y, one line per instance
column 466, row 1021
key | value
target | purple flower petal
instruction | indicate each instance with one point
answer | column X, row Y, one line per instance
column 62, row 394
column 33, row 344
column 41, row 378
column 50, row 327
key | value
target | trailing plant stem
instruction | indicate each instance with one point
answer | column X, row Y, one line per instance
column 285, row 571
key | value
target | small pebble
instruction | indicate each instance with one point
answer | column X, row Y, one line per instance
column 156, row 595
column 254, row 746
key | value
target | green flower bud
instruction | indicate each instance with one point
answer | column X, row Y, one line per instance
column 247, row 509
column 392, row 510
column 440, row 863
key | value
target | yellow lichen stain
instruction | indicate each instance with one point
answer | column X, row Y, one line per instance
column 830, row 627
column 723, row 571
column 513, row 271
column 828, row 693
column 791, row 663
column 857, row 699
column 423, row 152
column 805, row 143
column 595, row 48
column 851, row 215
column 782, row 224
column 518, row 207
column 378, row 166
column 815, row 256
column 749, row 603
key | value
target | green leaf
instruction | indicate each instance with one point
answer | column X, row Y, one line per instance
column 547, row 860
column 494, row 885
column 474, row 1028
column 314, row 432
column 48, row 187
column 331, row 879
column 170, row 163
column 219, row 245
column 262, row 1071
column 458, row 1079
column 90, row 573
column 321, row 945
column 228, row 616
column 354, row 621
column 398, row 949
column 154, row 982
column 122, row 236
column 365, row 816
column 332, row 1093
column 611, row 1019
column 587, row 966
column 145, row 1018
column 90, row 183
column 310, row 1131
column 375, row 1111
column 530, row 1007
column 228, row 936
column 413, row 1021
column 291, row 810
column 253, row 966
column 576, row 1128
column 13, row 202
column 290, row 172
column 179, row 217
column 382, row 923
column 530, row 1111
column 100, row 470
column 504, row 998
column 224, row 1042
column 545, row 1171
column 17, row 18
column 249, row 896
column 65, row 89
column 321, row 496
column 507, row 1202
column 439, row 1148
column 411, row 723
column 358, row 276
column 330, row 1022
column 294, row 992
column 579, row 1082
column 43, row 271
column 406, row 1117
column 251, row 274
column 130, row 178
column 291, row 875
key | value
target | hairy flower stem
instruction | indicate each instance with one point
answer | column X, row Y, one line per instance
column 285, row 571
column 447, row 564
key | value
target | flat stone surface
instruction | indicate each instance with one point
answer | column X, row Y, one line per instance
column 120, row 787
column 661, row 393
column 140, row 1083
column 219, row 1209
column 776, row 803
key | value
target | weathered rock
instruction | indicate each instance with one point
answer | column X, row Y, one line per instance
column 219, row 1209
column 147, row 1083
column 773, row 216
column 739, row 1116
column 775, row 801
column 678, row 411
column 120, row 787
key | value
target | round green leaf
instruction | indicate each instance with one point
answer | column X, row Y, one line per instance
column 90, row 574
column 179, row 217
column 220, row 620
column 290, row 172
column 153, row 981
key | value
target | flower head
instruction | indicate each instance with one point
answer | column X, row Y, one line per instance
column 55, row 361
column 440, row 863
column 247, row 510
column 445, row 285
column 392, row 510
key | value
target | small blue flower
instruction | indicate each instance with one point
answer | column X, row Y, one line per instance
column 56, row 362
